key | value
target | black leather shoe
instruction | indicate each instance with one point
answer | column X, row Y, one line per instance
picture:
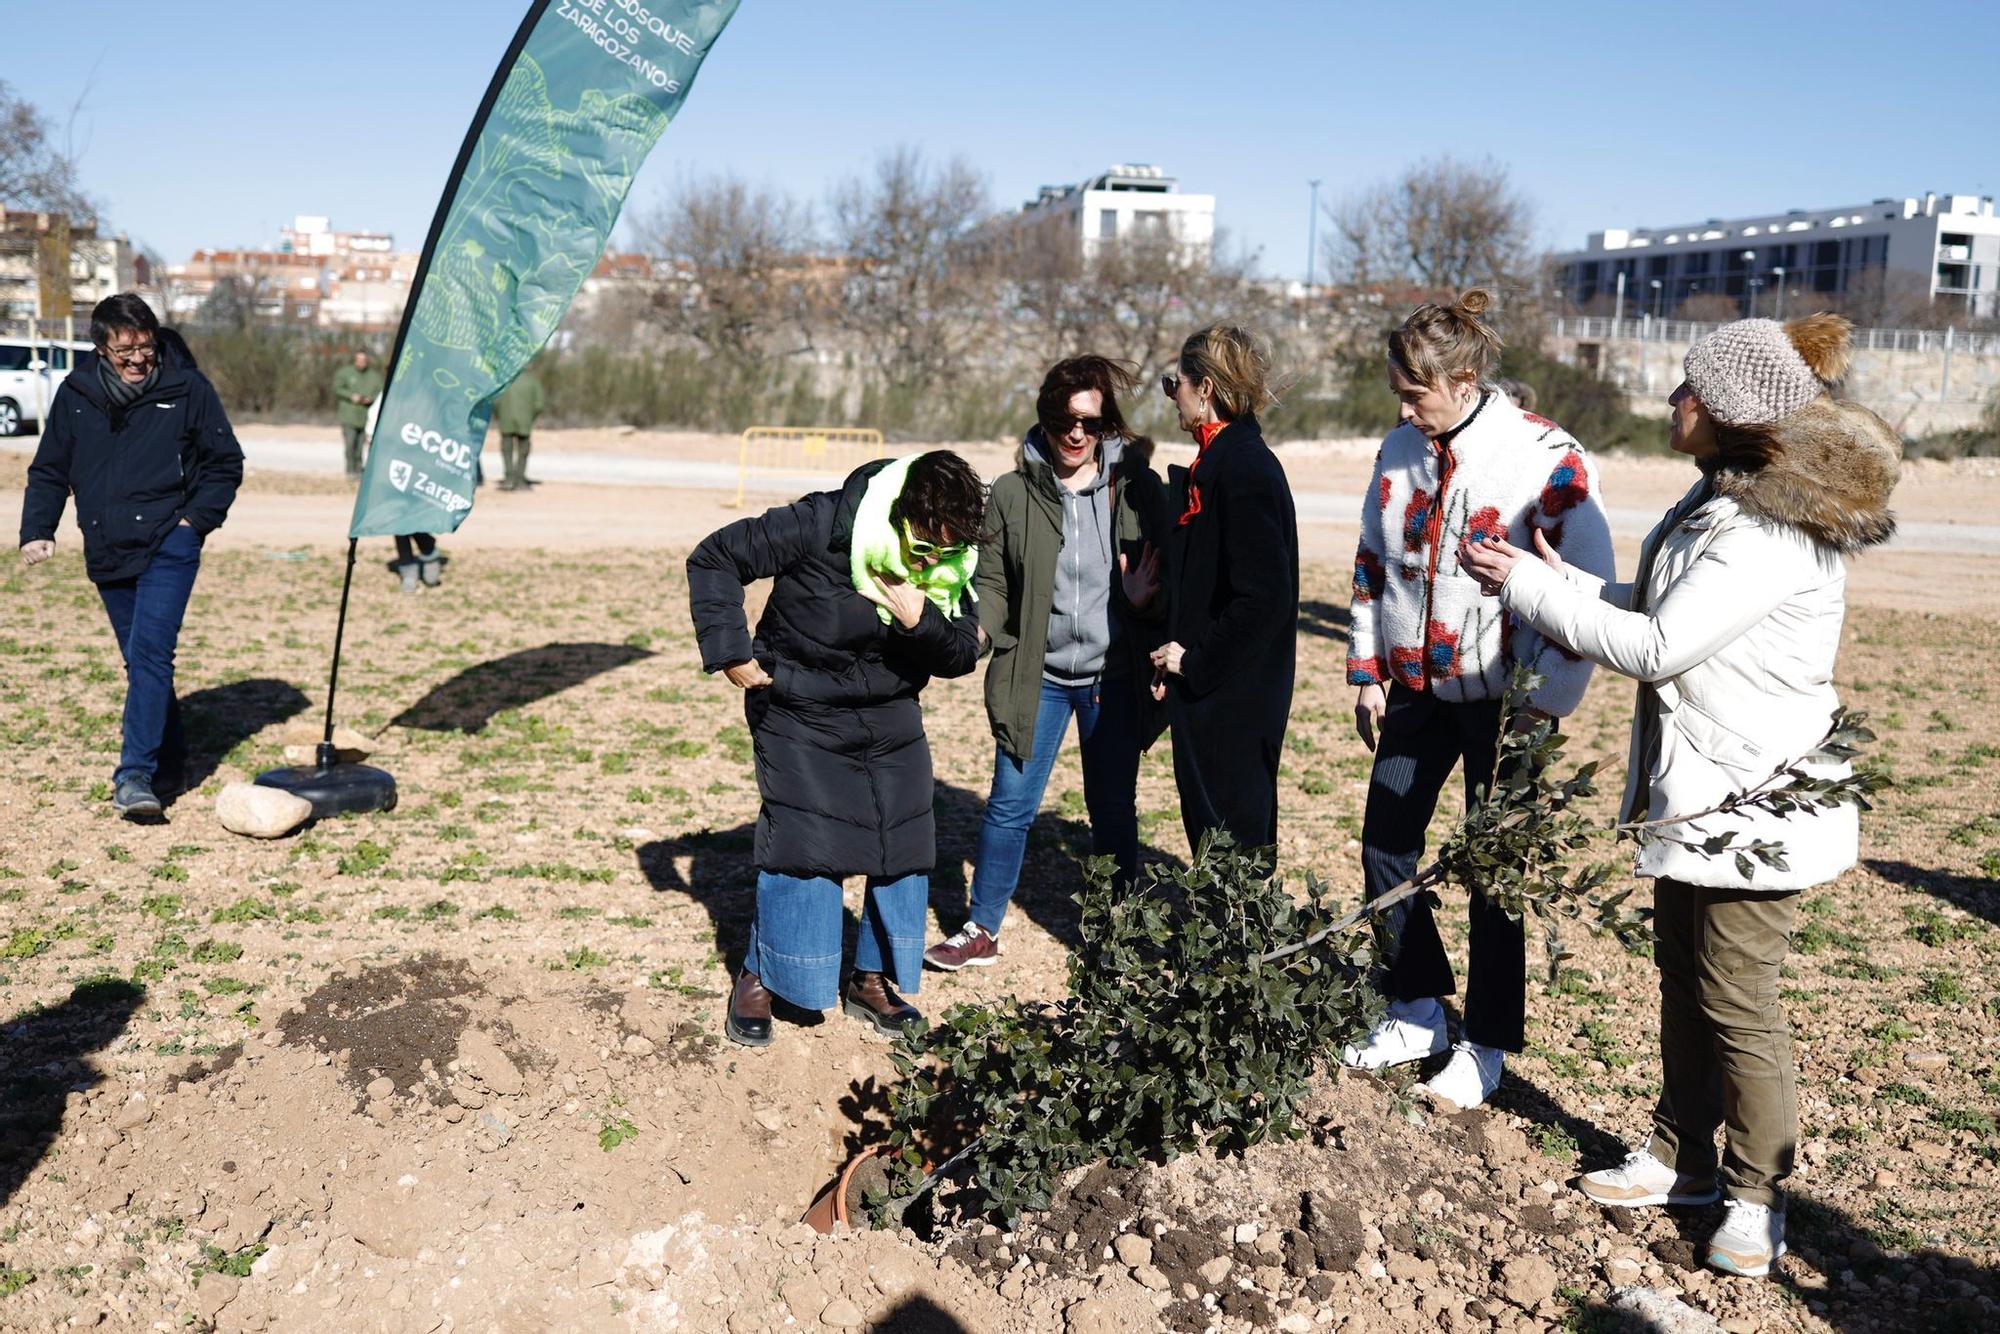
column 869, row 998
column 133, row 798
column 749, row 1019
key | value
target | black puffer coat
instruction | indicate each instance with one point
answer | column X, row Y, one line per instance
column 135, row 471
column 842, row 764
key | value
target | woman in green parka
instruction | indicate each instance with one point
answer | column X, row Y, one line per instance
column 1070, row 601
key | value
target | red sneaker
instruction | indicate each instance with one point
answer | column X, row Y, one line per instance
column 972, row 945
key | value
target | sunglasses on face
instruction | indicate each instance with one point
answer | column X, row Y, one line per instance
column 923, row 550
column 1170, row 385
column 1061, row 427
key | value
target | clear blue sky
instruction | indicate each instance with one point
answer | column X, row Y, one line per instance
column 213, row 122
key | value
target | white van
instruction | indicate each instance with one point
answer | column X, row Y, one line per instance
column 30, row 370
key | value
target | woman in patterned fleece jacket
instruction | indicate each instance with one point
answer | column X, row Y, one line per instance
column 1432, row 659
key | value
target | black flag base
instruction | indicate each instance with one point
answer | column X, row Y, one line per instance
column 335, row 789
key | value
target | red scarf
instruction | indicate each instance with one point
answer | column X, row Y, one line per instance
column 1204, row 435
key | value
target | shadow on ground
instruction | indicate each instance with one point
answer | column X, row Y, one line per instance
column 720, row 872
column 468, row 701
column 1323, row 619
column 42, row 1061
column 220, row 718
column 1979, row 895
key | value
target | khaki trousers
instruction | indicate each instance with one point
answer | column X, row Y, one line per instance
column 1725, row 1045
column 514, row 459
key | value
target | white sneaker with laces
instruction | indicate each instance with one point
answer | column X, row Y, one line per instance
column 1750, row 1240
column 1408, row 1031
column 1643, row 1180
column 1469, row 1078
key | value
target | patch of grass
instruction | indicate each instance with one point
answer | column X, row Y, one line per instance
column 24, row 942
column 12, row 1280
column 216, row 951
column 1928, row 926
column 235, row 1264
column 1943, row 987
column 583, row 957
column 499, row 912
column 394, row 912
column 367, row 857
column 1555, row 1141
column 244, row 910
column 1964, row 1118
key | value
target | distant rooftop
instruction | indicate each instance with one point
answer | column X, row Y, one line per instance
column 1886, row 209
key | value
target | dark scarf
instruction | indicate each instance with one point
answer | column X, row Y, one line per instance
column 121, row 394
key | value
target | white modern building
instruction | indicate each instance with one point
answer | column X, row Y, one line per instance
column 1128, row 202
column 1947, row 243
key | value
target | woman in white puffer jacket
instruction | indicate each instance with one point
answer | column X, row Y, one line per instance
column 1731, row 625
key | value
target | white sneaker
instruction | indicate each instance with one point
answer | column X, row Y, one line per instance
column 1409, row 1031
column 1643, row 1180
column 1470, row 1077
column 1750, row 1240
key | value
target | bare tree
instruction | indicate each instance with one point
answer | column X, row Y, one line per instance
column 37, row 173
column 731, row 261
column 913, row 298
column 1443, row 224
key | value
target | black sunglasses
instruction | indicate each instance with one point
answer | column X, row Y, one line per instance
column 1170, row 384
column 1062, row 426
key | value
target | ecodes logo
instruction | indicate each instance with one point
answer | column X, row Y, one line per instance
column 451, row 453
column 399, row 474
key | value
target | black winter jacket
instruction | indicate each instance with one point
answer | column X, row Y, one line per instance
column 1233, row 606
column 843, row 766
column 135, row 472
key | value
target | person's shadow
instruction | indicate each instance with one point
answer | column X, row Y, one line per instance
column 1979, row 895
column 220, row 718
column 717, row 869
column 468, row 701
column 1324, row 619
column 42, row 1061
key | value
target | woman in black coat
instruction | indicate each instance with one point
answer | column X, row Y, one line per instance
column 1233, row 595
column 845, row 644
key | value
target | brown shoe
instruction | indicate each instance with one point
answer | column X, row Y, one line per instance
column 869, row 999
column 749, row 1018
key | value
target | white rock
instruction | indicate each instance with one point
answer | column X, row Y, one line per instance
column 1246, row 1233
column 260, row 812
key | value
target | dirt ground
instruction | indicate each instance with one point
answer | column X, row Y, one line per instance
column 459, row 1066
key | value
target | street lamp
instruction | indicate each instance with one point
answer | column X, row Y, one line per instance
column 1657, row 299
column 1312, row 240
column 1751, row 284
column 1779, row 273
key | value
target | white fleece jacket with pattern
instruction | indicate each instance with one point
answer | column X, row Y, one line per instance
column 1417, row 617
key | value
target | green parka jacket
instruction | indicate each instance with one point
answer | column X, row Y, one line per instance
column 349, row 381
column 1016, row 587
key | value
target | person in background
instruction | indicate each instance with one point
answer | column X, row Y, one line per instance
column 1231, row 651
column 1069, row 598
column 870, row 598
column 139, row 437
column 1432, row 659
column 418, row 559
column 356, row 386
column 514, row 414
column 1731, row 626
column 1520, row 393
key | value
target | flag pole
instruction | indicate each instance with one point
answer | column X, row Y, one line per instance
column 326, row 751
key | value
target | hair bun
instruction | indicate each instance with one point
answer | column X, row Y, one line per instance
column 1473, row 301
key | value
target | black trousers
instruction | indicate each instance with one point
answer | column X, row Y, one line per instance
column 410, row 546
column 1421, row 739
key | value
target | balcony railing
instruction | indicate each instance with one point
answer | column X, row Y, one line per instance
column 1647, row 329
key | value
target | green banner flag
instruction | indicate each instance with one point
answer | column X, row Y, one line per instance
column 585, row 90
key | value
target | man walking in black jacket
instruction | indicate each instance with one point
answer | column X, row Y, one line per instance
column 137, row 435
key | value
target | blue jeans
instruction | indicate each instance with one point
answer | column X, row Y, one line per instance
column 795, row 940
column 146, row 614
column 1107, row 726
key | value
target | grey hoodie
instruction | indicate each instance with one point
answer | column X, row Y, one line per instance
column 1082, row 629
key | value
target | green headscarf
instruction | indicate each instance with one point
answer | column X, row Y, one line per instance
column 877, row 545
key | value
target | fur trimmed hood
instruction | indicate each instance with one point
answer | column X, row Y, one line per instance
column 1826, row 470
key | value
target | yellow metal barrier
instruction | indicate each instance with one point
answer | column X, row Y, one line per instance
column 802, row 452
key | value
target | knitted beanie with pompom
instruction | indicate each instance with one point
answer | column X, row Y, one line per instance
column 1758, row 371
